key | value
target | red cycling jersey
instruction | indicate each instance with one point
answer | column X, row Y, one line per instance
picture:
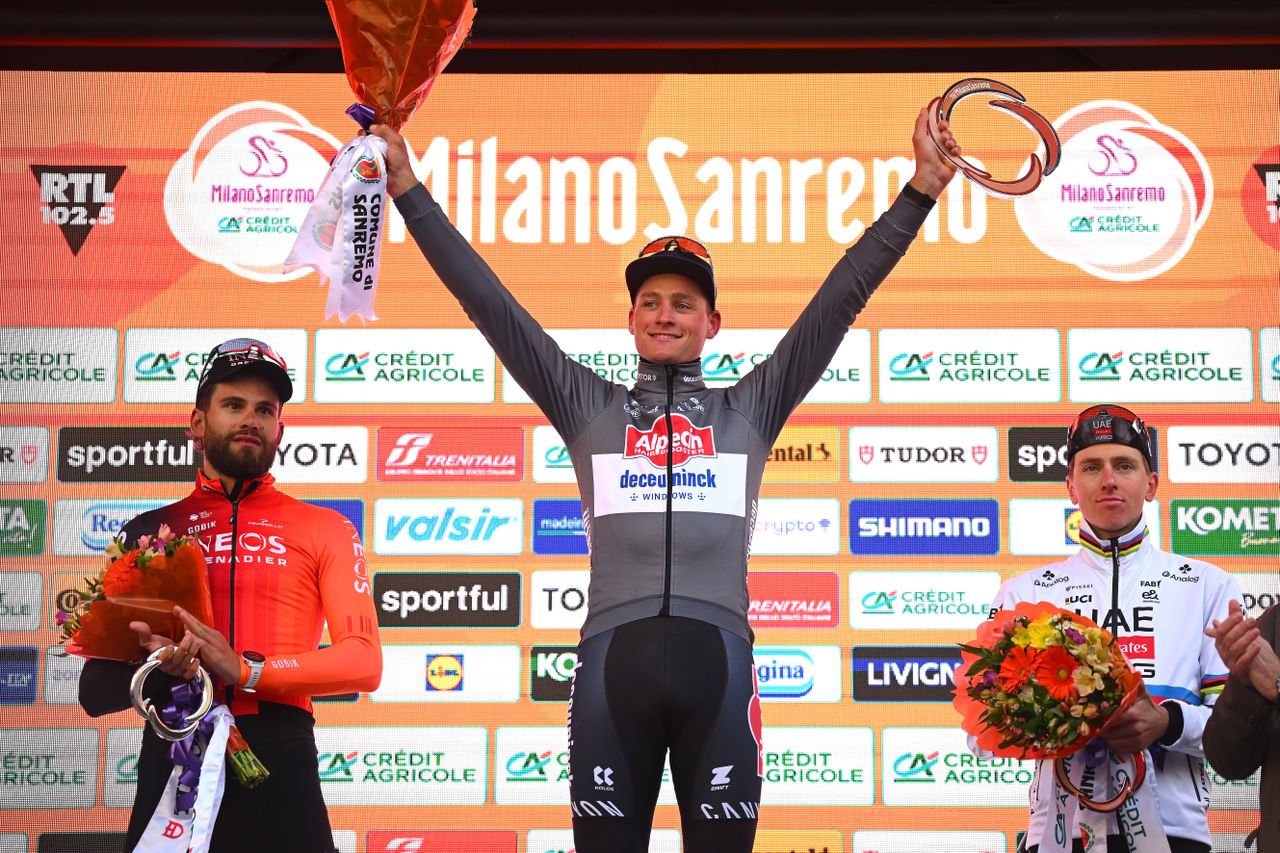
column 279, row 569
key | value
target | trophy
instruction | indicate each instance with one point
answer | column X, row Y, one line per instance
column 940, row 110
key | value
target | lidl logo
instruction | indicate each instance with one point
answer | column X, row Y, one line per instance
column 1072, row 517
column 915, row 767
column 444, row 672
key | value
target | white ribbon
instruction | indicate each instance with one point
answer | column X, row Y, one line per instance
column 171, row 831
column 341, row 236
column 1138, row 818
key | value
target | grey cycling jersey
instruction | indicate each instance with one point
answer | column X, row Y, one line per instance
column 669, row 470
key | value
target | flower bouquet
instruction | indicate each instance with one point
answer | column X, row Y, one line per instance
column 138, row 584
column 1041, row 682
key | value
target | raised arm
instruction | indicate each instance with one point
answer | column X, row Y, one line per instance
column 777, row 386
column 567, row 392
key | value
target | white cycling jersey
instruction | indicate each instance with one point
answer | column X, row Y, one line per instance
column 1157, row 605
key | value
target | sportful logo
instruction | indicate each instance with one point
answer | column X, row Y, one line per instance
column 686, row 442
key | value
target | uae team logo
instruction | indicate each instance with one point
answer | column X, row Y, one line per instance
column 1127, row 201
column 239, row 194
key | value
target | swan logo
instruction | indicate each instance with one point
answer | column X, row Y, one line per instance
column 1128, row 200
column 238, row 195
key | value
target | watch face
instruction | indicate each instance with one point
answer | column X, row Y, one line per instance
column 256, row 657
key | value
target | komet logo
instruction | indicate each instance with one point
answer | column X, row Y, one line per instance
column 18, row 675
column 447, row 599
column 463, row 526
column 793, row 600
column 126, row 454
column 450, row 454
column 22, row 528
column 1226, row 527
column 76, row 198
column 904, row 673
column 883, row 527
column 551, row 670
column 559, row 528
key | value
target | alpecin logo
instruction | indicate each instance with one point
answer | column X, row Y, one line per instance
column 687, row 442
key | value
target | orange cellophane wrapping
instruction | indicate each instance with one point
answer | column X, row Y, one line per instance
column 971, row 710
column 181, row 579
column 394, row 50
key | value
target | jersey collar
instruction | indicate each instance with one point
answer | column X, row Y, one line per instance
column 205, row 483
column 683, row 377
column 1097, row 551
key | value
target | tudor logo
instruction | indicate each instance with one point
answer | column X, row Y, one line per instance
column 687, row 442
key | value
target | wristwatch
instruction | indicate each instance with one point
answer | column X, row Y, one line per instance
column 1277, row 699
column 255, row 661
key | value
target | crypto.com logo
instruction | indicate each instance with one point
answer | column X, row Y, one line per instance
column 1129, row 198
column 238, row 195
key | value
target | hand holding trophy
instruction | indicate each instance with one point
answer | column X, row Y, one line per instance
column 939, row 111
column 393, row 51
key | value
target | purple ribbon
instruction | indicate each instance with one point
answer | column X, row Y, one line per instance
column 1095, row 752
column 188, row 753
column 361, row 115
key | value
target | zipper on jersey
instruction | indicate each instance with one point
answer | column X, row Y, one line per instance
column 1114, row 616
column 666, row 567
column 238, row 493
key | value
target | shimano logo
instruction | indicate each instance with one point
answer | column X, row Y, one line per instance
column 953, row 526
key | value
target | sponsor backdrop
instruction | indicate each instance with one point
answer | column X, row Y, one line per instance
column 923, row 469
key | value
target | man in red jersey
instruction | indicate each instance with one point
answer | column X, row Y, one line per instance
column 279, row 570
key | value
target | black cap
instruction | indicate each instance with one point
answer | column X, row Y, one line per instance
column 238, row 355
column 1109, row 424
column 679, row 255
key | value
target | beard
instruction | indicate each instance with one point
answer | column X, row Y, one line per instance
column 239, row 462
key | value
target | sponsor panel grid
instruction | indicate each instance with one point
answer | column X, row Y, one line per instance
column 924, row 467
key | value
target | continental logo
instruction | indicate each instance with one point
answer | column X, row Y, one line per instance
column 805, row 455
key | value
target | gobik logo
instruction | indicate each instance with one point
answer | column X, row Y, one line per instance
column 447, row 599
column 76, row 198
column 551, row 671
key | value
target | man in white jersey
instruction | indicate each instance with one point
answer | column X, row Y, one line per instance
column 1157, row 604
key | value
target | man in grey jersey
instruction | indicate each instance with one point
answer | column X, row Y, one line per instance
column 669, row 473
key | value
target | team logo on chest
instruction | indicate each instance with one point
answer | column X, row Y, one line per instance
column 687, row 442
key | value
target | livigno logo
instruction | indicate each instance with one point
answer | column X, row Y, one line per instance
column 22, row 527
column 970, row 366
column 1226, row 527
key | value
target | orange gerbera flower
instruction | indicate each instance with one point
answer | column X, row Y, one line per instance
column 1053, row 673
column 1017, row 667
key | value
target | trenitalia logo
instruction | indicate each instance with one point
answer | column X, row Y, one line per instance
column 904, row 673
column 884, row 527
column 798, row 673
column 793, row 600
column 450, row 454
column 559, row 528
column 1161, row 365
